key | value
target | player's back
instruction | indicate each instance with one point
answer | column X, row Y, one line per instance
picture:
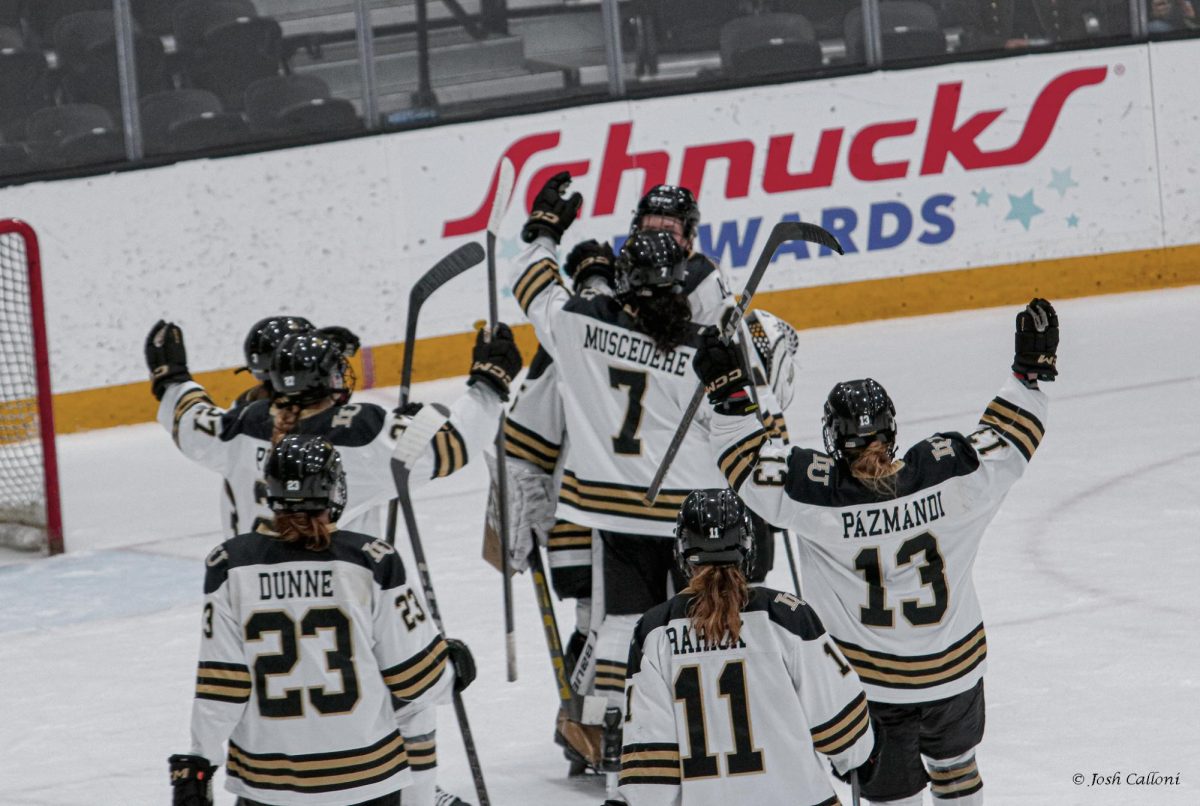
column 739, row 721
column 305, row 624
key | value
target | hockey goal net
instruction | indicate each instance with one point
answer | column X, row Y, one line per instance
column 29, row 504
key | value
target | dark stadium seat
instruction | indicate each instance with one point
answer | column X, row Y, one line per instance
column 768, row 44
column 226, row 47
column 87, row 51
column 297, row 105
column 910, row 30
column 156, row 16
column 11, row 13
column 24, row 88
column 15, row 159
column 180, row 121
column 74, row 134
column 45, row 14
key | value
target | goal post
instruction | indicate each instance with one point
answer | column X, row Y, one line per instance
column 30, row 515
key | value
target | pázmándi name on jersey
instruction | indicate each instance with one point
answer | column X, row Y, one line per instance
column 885, row 520
column 638, row 350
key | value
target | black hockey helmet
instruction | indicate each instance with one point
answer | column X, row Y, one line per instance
column 265, row 336
column 304, row 473
column 672, row 201
column 306, row 368
column 649, row 263
column 713, row 528
column 858, row 413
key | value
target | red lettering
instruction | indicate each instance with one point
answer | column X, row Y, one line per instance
column 575, row 169
column 944, row 139
column 519, row 152
column 777, row 179
column 618, row 160
column 861, row 157
column 740, row 154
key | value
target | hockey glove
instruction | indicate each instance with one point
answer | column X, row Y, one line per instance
column 166, row 357
column 1036, row 355
column 869, row 768
column 588, row 260
column 553, row 211
column 531, row 503
column 495, row 360
column 719, row 366
column 191, row 780
column 464, row 663
column 345, row 339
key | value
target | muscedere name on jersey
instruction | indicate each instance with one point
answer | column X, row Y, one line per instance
column 630, row 347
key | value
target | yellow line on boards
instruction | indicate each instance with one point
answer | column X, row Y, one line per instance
column 817, row 306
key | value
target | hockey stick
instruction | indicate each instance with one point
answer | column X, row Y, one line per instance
column 782, row 232
column 504, row 186
column 454, row 264
column 541, row 590
column 445, row 270
column 787, row 544
column 855, row 789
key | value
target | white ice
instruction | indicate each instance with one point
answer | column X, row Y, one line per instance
column 1088, row 579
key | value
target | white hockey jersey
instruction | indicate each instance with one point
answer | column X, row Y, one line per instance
column 235, row 443
column 311, row 666
column 740, row 723
column 622, row 397
column 892, row 576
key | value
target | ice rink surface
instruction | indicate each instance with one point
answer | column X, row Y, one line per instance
column 1088, row 579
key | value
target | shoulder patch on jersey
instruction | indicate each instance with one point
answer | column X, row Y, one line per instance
column 383, row 559
column 788, row 611
column 350, row 426
column 939, row 458
column 699, row 267
column 216, row 568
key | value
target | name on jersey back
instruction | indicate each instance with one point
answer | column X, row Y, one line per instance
column 634, row 348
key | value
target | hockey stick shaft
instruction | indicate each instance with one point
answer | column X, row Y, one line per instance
column 855, row 789
column 541, row 590
column 504, row 184
column 781, row 233
column 787, row 545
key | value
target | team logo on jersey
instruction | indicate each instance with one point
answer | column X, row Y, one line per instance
column 293, row 486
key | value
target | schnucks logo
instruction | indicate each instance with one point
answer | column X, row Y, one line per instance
column 947, row 137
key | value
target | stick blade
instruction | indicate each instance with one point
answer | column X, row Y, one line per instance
column 446, row 269
column 505, row 178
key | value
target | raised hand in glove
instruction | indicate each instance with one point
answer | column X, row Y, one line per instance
column 345, row 339
column 166, row 357
column 553, row 210
column 587, row 260
column 495, row 359
column 1036, row 353
column 464, row 663
column 719, row 366
column 191, row 780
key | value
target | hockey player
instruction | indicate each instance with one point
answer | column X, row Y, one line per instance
column 307, row 373
column 315, row 654
column 888, row 547
column 734, row 690
column 623, row 381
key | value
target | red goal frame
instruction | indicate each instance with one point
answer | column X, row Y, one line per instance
column 45, row 400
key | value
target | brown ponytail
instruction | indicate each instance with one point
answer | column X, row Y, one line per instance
column 311, row 527
column 720, row 593
column 876, row 469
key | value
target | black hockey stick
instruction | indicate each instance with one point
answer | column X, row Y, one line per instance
column 787, row 544
column 504, row 186
column 454, row 264
column 781, row 233
column 855, row 789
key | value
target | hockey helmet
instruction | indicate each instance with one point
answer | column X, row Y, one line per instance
column 671, row 201
column 649, row 263
column 304, row 473
column 306, row 368
column 265, row 336
column 713, row 528
column 858, row 413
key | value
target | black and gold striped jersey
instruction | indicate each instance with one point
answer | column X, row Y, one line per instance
column 733, row 722
column 312, row 666
column 621, row 398
column 235, row 442
column 890, row 571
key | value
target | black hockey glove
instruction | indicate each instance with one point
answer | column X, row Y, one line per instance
column 1036, row 355
column 587, row 260
column 496, row 360
column 553, row 211
column 464, row 663
column 719, row 366
column 869, row 768
column 191, row 780
column 345, row 339
column 165, row 357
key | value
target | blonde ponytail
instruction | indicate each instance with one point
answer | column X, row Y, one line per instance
column 719, row 594
column 876, row 469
